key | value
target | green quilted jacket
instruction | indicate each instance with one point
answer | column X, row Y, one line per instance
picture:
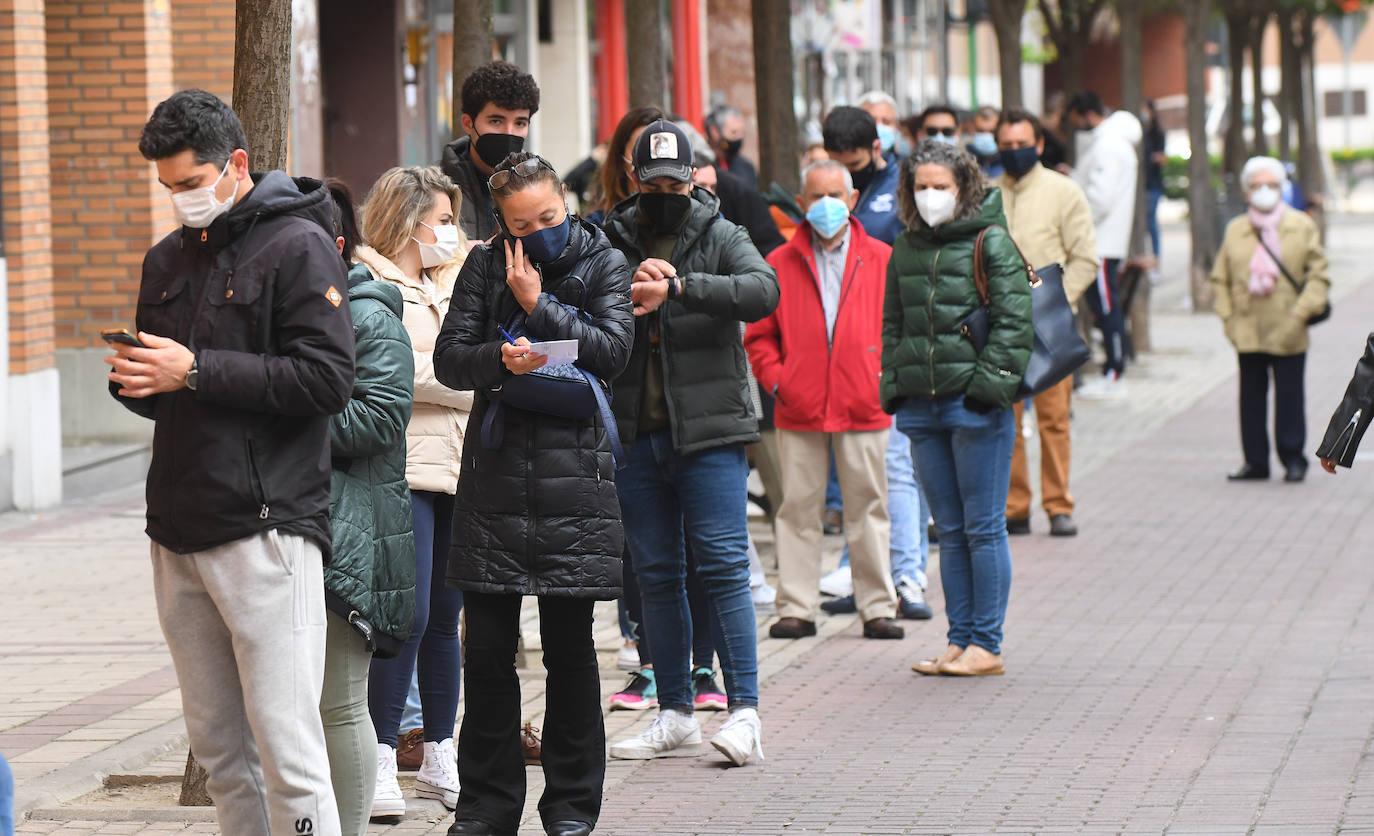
column 930, row 291
column 372, row 575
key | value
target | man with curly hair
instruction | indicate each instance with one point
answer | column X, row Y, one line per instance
column 499, row 99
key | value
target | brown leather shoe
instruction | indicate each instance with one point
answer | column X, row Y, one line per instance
column 883, row 628
column 529, row 740
column 410, row 750
column 974, row 661
column 931, row 667
column 792, row 628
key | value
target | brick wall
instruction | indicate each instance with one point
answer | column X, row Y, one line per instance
column 24, row 179
column 203, row 45
column 108, row 64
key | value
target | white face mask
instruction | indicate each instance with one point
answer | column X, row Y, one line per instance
column 198, row 208
column 935, row 205
column 443, row 249
column 1264, row 198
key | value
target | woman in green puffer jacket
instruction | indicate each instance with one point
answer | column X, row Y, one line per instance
column 952, row 400
column 369, row 585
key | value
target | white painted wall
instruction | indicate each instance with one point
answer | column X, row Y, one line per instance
column 562, row 128
column 35, row 439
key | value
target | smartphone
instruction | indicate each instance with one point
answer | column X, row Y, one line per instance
column 120, row 335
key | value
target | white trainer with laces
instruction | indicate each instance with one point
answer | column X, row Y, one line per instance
column 672, row 734
column 741, row 737
column 438, row 775
column 387, row 801
column 838, row 583
column 627, row 658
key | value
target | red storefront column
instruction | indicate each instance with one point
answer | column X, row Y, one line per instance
column 612, row 75
column 687, row 52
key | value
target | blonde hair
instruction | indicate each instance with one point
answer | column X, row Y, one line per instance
column 397, row 202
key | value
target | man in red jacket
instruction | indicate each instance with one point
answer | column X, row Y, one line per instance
column 818, row 355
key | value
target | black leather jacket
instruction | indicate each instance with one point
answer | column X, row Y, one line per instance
column 1351, row 418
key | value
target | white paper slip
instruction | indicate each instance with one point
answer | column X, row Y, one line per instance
column 559, row 352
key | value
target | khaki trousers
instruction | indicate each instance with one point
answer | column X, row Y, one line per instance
column 1052, row 414
column 859, row 463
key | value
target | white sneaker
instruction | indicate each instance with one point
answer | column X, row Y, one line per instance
column 1105, row 388
column 627, row 658
column 438, row 775
column 838, row 583
column 672, row 734
column 765, row 598
column 387, row 801
column 741, row 736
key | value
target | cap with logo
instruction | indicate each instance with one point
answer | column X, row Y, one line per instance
column 663, row 150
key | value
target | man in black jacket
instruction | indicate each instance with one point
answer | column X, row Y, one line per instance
column 684, row 404
column 499, row 100
column 247, row 349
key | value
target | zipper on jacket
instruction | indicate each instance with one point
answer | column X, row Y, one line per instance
column 930, row 318
column 259, row 493
column 1348, row 434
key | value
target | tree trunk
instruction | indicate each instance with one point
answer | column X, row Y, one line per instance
column 1310, row 173
column 472, row 47
column 1258, row 24
column 1233, row 144
column 1071, row 68
column 1006, row 22
column 644, row 48
column 1131, row 14
column 773, row 90
column 193, row 792
column 1201, row 200
column 1290, row 113
column 262, row 78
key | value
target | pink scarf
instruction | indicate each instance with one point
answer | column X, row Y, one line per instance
column 1264, row 272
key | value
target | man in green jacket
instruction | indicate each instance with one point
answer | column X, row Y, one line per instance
column 684, row 405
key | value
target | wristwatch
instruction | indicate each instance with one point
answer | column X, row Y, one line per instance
column 192, row 376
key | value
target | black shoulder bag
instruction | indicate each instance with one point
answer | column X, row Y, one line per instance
column 1320, row 316
column 1058, row 347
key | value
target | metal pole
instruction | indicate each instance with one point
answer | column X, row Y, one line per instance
column 942, row 28
column 972, row 66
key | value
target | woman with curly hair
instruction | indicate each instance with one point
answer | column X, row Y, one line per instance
column 951, row 398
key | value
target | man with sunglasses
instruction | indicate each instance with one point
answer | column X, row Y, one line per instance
column 939, row 122
column 499, row 100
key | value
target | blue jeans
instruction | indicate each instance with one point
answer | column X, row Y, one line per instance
column 432, row 651
column 667, row 498
column 964, row 462
column 833, row 500
column 908, row 510
column 1152, row 197
column 6, row 798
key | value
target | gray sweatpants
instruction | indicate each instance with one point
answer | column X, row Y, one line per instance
column 245, row 623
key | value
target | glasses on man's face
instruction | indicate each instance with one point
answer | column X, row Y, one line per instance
column 939, row 131
column 528, row 168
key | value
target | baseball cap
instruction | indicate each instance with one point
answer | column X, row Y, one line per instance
column 663, row 150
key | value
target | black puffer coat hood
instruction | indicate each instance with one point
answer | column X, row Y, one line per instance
column 539, row 516
column 475, row 217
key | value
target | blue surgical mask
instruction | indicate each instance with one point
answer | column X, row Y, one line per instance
column 947, row 140
column 903, row 146
column 887, row 135
column 983, row 144
column 545, row 245
column 827, row 216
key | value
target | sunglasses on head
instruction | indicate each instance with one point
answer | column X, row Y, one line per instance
column 528, row 168
column 938, row 131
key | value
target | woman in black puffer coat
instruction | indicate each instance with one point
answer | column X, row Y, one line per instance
column 538, row 515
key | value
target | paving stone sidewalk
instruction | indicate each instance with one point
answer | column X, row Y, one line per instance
column 1198, row 660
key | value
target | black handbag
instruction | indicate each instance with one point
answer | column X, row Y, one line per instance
column 1320, row 316
column 566, row 391
column 1058, row 347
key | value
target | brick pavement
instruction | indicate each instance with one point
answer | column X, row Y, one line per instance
column 1197, row 661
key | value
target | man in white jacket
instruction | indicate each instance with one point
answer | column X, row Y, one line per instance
column 1107, row 166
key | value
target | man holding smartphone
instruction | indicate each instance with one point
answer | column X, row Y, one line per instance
column 247, row 349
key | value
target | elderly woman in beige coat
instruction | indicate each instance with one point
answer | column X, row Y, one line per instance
column 1269, row 279
column 412, row 242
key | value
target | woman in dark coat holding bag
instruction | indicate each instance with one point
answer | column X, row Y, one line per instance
column 953, row 400
column 538, row 515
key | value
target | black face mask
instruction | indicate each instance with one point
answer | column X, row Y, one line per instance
column 865, row 175
column 731, row 147
column 1017, row 161
column 664, row 212
column 493, row 148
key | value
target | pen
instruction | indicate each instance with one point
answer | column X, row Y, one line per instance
column 507, row 335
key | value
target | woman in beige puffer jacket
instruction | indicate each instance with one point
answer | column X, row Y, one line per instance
column 408, row 224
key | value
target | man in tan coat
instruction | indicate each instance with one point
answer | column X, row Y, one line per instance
column 1049, row 219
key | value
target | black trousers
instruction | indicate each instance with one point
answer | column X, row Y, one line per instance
column 1102, row 301
column 1290, row 422
column 491, row 762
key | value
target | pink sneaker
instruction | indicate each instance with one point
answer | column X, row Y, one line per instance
column 706, row 694
column 639, row 693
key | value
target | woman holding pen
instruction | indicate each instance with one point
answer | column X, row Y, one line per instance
column 536, row 511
